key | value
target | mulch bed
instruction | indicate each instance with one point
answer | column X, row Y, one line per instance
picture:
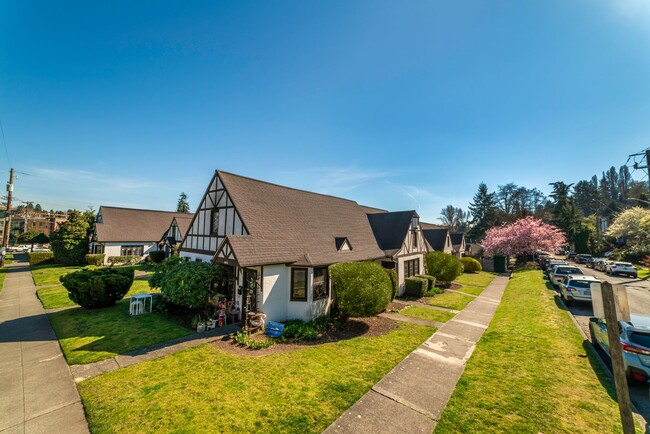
column 355, row 327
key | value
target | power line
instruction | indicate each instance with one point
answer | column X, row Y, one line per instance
column 5, row 142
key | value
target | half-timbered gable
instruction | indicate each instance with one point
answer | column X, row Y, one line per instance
column 215, row 219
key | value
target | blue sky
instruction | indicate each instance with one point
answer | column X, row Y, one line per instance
column 399, row 105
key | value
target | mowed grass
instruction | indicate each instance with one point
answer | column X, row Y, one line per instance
column 644, row 273
column 88, row 336
column 480, row 279
column 49, row 274
column 474, row 290
column 451, row 300
column 428, row 314
column 3, row 276
column 55, row 297
column 531, row 372
column 204, row 389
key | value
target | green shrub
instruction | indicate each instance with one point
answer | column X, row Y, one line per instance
column 101, row 287
column 189, row 284
column 297, row 330
column 433, row 291
column 361, row 288
column 470, row 265
column 40, row 258
column 97, row 259
column 430, row 279
column 415, row 286
column 121, row 260
column 394, row 282
column 157, row 257
column 160, row 270
column 443, row 266
column 69, row 242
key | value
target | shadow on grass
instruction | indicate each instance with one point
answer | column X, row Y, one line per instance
column 595, row 357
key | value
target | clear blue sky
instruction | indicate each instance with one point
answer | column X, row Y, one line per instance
column 399, row 105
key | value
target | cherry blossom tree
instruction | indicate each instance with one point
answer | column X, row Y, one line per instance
column 523, row 237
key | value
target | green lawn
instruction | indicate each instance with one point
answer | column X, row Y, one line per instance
column 644, row 273
column 480, row 279
column 531, row 372
column 54, row 297
column 451, row 300
column 474, row 290
column 49, row 274
column 204, row 389
column 88, row 336
column 428, row 314
column 9, row 258
column 3, row 275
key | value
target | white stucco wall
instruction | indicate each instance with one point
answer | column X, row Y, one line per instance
column 195, row 256
column 115, row 249
column 400, row 269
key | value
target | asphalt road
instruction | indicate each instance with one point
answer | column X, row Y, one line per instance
column 638, row 294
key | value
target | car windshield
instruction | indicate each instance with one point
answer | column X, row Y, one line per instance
column 582, row 284
column 623, row 264
column 567, row 270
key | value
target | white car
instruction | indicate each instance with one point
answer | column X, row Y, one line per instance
column 626, row 268
column 577, row 288
column 562, row 271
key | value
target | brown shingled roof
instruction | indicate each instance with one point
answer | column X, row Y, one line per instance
column 184, row 223
column 287, row 225
column 133, row 225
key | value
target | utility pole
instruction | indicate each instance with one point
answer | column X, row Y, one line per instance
column 10, row 191
column 636, row 165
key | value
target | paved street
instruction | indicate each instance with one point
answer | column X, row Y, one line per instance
column 638, row 292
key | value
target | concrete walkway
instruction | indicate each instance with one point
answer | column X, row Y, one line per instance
column 411, row 397
column 38, row 394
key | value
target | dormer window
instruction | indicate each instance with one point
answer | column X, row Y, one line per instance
column 342, row 244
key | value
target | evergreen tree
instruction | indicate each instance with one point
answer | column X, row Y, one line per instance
column 182, row 205
column 70, row 242
column 484, row 211
column 565, row 214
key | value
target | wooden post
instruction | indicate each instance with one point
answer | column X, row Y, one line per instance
column 616, row 354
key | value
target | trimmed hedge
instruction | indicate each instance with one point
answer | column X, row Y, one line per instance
column 394, row 282
column 101, row 287
column 470, row 265
column 431, row 279
column 119, row 260
column 361, row 288
column 157, row 257
column 415, row 286
column 443, row 266
column 95, row 259
column 40, row 258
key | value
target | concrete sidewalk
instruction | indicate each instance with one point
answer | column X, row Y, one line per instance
column 411, row 397
column 38, row 392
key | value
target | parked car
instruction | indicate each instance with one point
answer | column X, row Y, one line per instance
column 626, row 268
column 551, row 266
column 576, row 288
column 582, row 258
column 597, row 263
column 561, row 271
column 18, row 249
column 571, row 255
column 635, row 340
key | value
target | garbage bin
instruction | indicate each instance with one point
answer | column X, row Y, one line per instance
column 500, row 265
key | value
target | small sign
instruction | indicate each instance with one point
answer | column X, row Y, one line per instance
column 620, row 297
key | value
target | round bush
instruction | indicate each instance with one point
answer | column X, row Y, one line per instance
column 98, row 288
column 97, row 259
column 443, row 266
column 361, row 288
column 471, row 265
column 157, row 257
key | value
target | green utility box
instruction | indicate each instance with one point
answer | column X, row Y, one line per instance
column 500, row 265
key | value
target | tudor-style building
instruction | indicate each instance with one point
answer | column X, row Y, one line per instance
column 278, row 243
column 173, row 236
column 399, row 235
column 438, row 237
column 458, row 242
column 128, row 231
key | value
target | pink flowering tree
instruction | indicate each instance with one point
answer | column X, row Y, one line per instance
column 523, row 237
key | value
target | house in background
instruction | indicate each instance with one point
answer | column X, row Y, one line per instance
column 437, row 237
column 458, row 242
column 400, row 237
column 173, row 236
column 278, row 242
column 128, row 231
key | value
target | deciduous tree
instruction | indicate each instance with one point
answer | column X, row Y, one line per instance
column 523, row 237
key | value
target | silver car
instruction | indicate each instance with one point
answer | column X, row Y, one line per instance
column 576, row 288
column 560, row 272
column 635, row 340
